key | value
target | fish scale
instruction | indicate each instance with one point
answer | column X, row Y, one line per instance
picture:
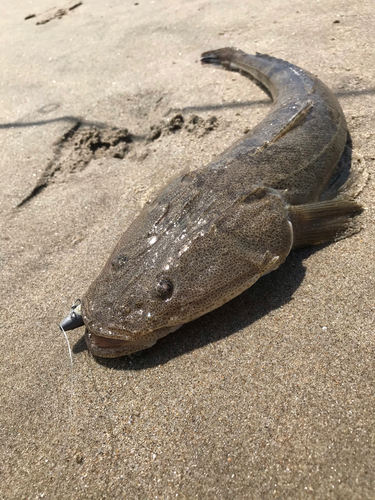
column 212, row 233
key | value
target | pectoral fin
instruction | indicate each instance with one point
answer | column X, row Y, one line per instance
column 316, row 223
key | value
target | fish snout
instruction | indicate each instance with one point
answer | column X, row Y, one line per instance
column 113, row 347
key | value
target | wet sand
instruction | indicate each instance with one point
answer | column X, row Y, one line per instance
column 270, row 396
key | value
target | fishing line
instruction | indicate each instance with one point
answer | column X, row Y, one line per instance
column 71, row 374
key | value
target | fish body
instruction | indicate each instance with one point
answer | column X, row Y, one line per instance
column 212, row 233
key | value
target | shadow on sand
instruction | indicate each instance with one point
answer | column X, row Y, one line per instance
column 269, row 293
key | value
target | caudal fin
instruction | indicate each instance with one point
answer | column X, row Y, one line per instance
column 221, row 57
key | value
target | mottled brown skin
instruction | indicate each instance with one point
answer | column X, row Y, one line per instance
column 213, row 232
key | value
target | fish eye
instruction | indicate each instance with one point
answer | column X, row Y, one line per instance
column 164, row 288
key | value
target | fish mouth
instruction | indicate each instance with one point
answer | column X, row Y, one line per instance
column 112, row 347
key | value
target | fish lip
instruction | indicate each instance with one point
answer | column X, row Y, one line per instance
column 112, row 347
column 109, row 346
column 110, row 333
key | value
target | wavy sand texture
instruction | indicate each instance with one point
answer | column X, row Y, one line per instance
column 271, row 396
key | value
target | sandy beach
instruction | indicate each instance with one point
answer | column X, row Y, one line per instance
column 270, row 396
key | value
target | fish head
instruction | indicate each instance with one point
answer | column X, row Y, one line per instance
column 153, row 283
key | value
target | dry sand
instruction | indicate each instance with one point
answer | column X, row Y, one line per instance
column 271, row 396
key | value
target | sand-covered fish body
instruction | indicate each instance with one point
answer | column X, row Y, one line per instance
column 212, row 233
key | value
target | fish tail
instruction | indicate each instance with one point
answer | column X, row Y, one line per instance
column 260, row 67
column 222, row 57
